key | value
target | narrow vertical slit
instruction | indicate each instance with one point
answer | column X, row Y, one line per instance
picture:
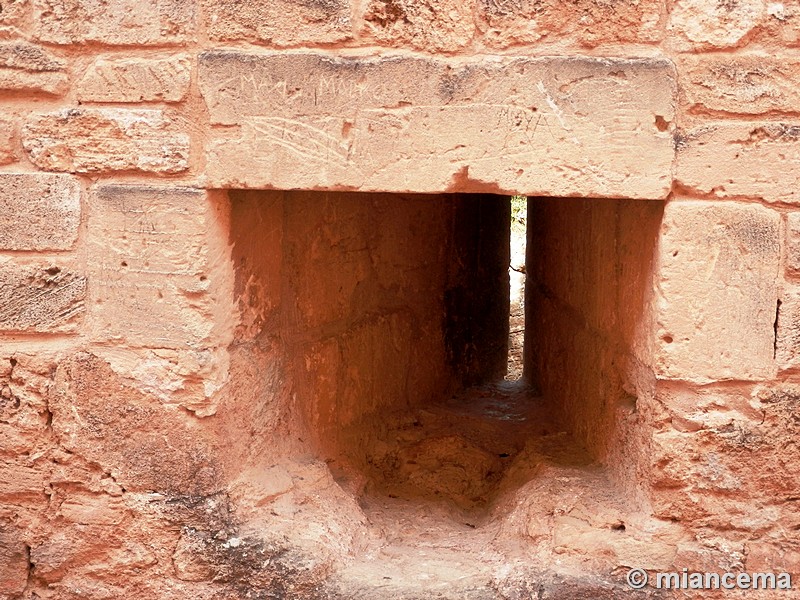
column 516, row 272
column 775, row 329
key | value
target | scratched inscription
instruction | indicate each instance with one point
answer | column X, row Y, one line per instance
column 521, row 124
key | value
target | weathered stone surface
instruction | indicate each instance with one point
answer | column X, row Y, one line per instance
column 147, row 446
column 153, row 266
column 9, row 141
column 524, row 125
column 14, row 11
column 781, row 23
column 787, row 347
column 719, row 265
column 736, row 452
column 26, row 67
column 92, row 140
column 38, row 211
column 119, row 22
column 13, row 562
column 136, row 80
column 40, row 298
column 793, row 243
column 279, row 22
column 750, row 84
column 590, row 22
column 741, row 159
column 714, row 23
column 431, row 25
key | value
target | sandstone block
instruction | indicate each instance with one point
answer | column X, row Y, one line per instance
column 793, row 243
column 742, row 84
column 13, row 561
column 719, row 265
column 139, row 80
column 714, row 24
column 521, row 125
column 14, row 11
column 508, row 22
column 25, row 67
column 93, row 140
column 148, row 447
column 787, row 349
column 782, row 23
column 154, row 276
column 741, row 159
column 39, row 211
column 20, row 482
column 279, row 22
column 118, row 22
column 433, row 26
column 9, row 141
column 40, row 298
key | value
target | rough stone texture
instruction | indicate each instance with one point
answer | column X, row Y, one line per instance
column 793, row 243
column 748, row 160
column 94, row 140
column 748, row 84
column 704, row 461
column 717, row 291
column 136, row 80
column 279, row 23
column 713, row 23
column 591, row 22
column 25, row 67
column 14, row 12
column 432, row 26
column 9, row 140
column 782, row 23
column 309, row 121
column 13, row 562
column 38, row 211
column 146, row 446
column 787, row 343
column 40, row 298
column 117, row 22
column 154, row 282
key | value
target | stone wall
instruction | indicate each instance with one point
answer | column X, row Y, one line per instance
column 145, row 309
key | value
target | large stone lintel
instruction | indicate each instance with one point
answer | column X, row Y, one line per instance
column 537, row 126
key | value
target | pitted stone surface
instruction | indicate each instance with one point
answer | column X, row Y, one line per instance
column 96, row 140
column 38, row 211
column 526, row 125
column 717, row 291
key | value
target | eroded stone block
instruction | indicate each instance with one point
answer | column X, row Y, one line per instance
column 719, row 265
column 508, row 22
column 787, row 349
column 93, row 140
column 715, row 24
column 152, row 266
column 13, row 561
column 136, row 80
column 25, row 67
column 750, row 83
column 9, row 140
column 38, row 211
column 741, row 159
column 122, row 22
column 793, row 243
column 45, row 298
column 552, row 126
column 279, row 22
column 431, row 25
